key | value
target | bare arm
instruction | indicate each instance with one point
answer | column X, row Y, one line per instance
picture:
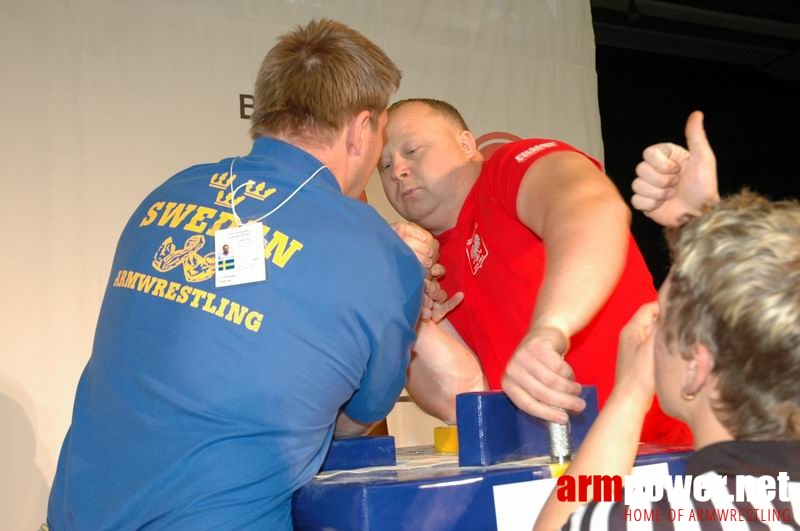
column 435, row 305
column 584, row 224
column 347, row 428
column 441, row 367
column 673, row 183
column 610, row 446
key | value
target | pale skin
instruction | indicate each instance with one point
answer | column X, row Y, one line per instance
column 346, row 427
column 428, row 165
column 435, row 304
column 441, row 363
column 441, row 366
column 673, row 182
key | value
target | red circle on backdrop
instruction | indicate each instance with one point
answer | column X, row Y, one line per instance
column 489, row 142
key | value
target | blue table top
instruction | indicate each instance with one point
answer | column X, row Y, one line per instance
column 428, row 491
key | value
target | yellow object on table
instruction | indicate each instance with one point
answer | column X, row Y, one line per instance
column 445, row 440
column 557, row 469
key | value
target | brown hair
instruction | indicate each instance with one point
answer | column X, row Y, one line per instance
column 440, row 107
column 735, row 288
column 316, row 78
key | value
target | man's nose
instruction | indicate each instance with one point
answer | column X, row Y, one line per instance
column 399, row 169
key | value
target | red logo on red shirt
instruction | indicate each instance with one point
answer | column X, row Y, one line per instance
column 476, row 251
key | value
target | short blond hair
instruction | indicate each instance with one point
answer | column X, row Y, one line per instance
column 443, row 108
column 735, row 288
column 316, row 78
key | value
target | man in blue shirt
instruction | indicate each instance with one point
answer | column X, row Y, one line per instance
column 205, row 407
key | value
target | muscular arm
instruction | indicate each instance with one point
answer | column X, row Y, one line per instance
column 583, row 221
column 441, row 367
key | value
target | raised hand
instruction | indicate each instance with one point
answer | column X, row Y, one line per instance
column 673, row 183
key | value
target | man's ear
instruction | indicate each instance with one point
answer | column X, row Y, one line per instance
column 357, row 129
column 699, row 370
column 467, row 143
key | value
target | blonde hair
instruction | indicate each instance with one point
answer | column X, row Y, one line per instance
column 316, row 78
column 735, row 288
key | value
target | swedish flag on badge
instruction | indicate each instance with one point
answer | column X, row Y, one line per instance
column 226, row 264
column 246, row 244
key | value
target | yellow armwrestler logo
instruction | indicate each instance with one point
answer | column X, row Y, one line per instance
column 196, row 268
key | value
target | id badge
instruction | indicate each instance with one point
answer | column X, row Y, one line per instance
column 239, row 255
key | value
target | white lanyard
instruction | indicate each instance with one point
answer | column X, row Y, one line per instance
column 234, row 190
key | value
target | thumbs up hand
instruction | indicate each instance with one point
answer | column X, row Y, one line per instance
column 674, row 183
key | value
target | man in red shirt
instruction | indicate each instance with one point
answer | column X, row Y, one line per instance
column 537, row 238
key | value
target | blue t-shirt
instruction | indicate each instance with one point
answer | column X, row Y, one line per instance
column 205, row 408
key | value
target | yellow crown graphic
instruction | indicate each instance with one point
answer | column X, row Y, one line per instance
column 224, row 199
column 258, row 190
column 222, row 181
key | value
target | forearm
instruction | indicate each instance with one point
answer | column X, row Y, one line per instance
column 346, row 427
column 441, row 367
column 586, row 254
column 609, row 449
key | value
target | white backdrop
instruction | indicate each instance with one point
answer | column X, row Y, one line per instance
column 101, row 100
